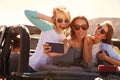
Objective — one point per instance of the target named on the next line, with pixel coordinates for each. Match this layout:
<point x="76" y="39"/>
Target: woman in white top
<point x="77" y="44"/>
<point x="102" y="41"/>
<point x="52" y="30"/>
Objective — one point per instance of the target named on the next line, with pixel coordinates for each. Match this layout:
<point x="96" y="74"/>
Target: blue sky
<point x="12" y="11"/>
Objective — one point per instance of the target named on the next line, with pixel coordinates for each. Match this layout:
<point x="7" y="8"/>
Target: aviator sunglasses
<point x="60" y="20"/>
<point x="102" y="30"/>
<point x="83" y="27"/>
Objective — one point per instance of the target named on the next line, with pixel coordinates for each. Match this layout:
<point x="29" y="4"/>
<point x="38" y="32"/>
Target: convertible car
<point x="27" y="46"/>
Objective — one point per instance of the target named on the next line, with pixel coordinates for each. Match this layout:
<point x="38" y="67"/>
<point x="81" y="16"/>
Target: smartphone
<point x="57" y="47"/>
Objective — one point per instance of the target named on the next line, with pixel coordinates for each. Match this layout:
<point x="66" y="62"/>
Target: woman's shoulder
<point x="69" y="42"/>
<point x="105" y="45"/>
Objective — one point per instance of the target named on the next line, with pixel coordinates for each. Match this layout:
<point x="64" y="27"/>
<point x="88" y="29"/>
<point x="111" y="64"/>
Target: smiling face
<point x="61" y="18"/>
<point x="61" y="22"/>
<point x="101" y="31"/>
<point x="104" y="32"/>
<point x="79" y="27"/>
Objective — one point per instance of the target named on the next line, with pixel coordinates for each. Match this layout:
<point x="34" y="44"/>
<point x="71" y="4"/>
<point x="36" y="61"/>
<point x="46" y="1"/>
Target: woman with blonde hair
<point x="76" y="46"/>
<point x="52" y="30"/>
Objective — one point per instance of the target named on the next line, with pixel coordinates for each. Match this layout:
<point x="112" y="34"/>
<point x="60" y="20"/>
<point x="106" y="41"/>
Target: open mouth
<point x="62" y="27"/>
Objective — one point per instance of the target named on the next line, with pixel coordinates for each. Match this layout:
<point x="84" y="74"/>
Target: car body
<point x="27" y="45"/>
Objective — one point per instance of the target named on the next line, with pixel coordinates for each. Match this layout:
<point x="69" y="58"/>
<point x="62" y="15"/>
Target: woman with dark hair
<point x="78" y="42"/>
<point x="102" y="47"/>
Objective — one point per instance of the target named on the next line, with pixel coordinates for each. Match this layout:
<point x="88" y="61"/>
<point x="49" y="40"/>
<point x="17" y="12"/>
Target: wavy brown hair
<point x="109" y="34"/>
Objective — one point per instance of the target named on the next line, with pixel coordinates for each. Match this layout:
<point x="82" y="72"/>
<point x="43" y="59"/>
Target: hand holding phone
<point x="56" y="47"/>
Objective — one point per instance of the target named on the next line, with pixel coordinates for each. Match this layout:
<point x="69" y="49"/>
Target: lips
<point x="62" y="27"/>
<point x="80" y="34"/>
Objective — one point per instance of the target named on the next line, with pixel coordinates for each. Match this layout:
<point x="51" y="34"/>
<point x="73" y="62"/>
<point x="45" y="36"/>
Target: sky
<point x="12" y="11"/>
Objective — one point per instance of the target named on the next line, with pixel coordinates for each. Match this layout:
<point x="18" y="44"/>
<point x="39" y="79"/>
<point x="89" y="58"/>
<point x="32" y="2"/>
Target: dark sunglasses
<point x="60" y="20"/>
<point x="83" y="27"/>
<point x="102" y="30"/>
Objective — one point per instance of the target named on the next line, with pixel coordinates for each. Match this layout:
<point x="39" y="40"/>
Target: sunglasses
<point x="83" y="27"/>
<point x="102" y="30"/>
<point x="60" y="20"/>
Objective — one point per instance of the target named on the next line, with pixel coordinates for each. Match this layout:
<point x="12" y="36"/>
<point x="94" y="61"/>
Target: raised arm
<point x="44" y="17"/>
<point x="36" y="19"/>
